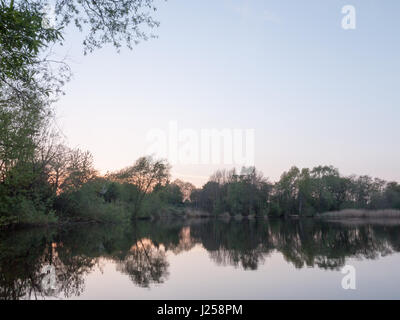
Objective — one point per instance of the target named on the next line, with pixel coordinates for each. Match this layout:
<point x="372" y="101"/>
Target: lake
<point x="203" y="259"/>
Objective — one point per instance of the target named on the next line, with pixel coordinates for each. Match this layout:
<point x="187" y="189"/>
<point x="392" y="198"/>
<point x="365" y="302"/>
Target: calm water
<point x="203" y="259"/>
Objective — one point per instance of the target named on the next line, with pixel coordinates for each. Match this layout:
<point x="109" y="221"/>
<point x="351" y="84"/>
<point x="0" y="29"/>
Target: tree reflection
<point x="37" y="264"/>
<point x="311" y="243"/>
<point x="145" y="264"/>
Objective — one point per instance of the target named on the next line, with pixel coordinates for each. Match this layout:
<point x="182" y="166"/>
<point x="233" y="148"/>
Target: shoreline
<point x="350" y="215"/>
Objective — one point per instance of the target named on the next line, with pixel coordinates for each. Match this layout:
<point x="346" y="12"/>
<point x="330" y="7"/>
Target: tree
<point x="79" y="170"/>
<point x="25" y="74"/>
<point x="227" y="191"/>
<point x="239" y="198"/>
<point x="172" y="194"/>
<point x="391" y="196"/>
<point x="108" y="21"/>
<point x="326" y="181"/>
<point x="186" y="188"/>
<point x="112" y="193"/>
<point x="305" y="185"/>
<point x="145" y="174"/>
<point x="209" y="195"/>
<point x="287" y="191"/>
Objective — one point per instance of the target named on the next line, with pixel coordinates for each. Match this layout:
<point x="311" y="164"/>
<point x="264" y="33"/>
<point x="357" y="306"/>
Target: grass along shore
<point x="362" y="213"/>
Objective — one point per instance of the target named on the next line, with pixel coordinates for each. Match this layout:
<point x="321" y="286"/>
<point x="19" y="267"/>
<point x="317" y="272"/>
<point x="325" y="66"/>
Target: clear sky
<point x="313" y="92"/>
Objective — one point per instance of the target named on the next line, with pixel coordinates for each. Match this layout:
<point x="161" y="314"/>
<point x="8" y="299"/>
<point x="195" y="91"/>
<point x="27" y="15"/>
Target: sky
<point x="313" y="92"/>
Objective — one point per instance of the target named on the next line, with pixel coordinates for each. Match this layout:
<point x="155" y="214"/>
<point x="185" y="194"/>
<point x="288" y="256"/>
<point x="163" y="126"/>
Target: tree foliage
<point x="304" y="192"/>
<point x="145" y="174"/>
<point x="34" y="169"/>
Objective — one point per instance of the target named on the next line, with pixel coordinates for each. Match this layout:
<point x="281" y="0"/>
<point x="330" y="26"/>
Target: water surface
<point x="203" y="259"/>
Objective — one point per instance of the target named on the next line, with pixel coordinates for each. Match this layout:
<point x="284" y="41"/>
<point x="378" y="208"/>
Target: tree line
<point x="62" y="184"/>
<point x="304" y="192"/>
